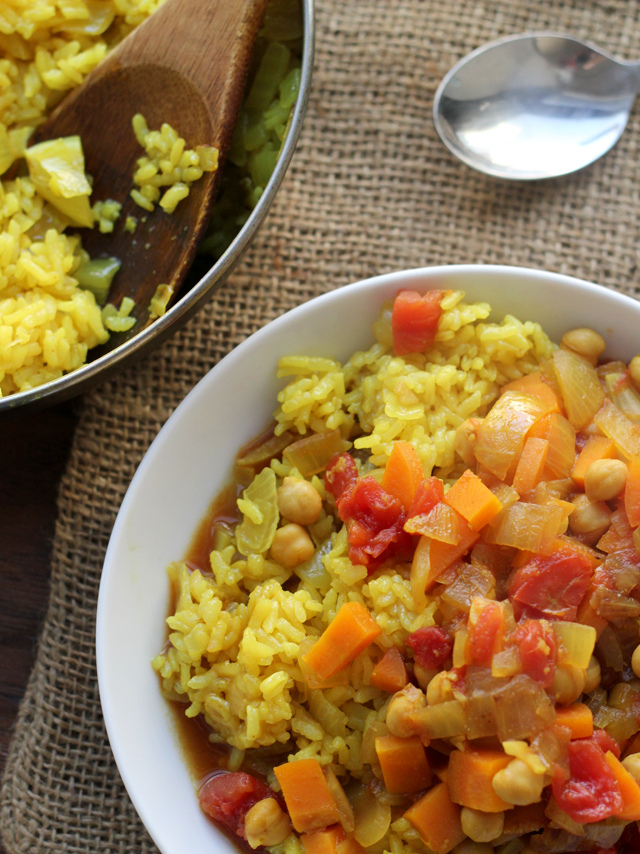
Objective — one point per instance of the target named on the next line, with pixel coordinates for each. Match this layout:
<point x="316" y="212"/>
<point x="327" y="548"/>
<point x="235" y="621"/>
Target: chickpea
<point x="299" y="501"/>
<point x="585" y="342"/>
<point x="439" y="690"/>
<point x="605" y="479"/>
<point x="517" y="784"/>
<point x="291" y="545"/>
<point x="634" y="371"/>
<point x="632" y="764"/>
<point x="569" y="683"/>
<point x="465" y="440"/>
<point x="592" y="675"/>
<point x="481" y="826"/>
<point x="589" y="519"/>
<point x="403" y="712"/>
<point x="266" y="824"/>
<point x="424" y="675"/>
<point x="635" y="661"/>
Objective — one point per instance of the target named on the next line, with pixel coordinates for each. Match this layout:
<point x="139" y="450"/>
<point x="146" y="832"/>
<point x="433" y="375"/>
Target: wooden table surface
<point x="34" y="450"/>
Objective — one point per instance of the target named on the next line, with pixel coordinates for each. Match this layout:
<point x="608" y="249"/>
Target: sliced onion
<point x="264" y="449"/>
<point x="578" y="642"/>
<point x="372" y="816"/>
<point x="579" y="386"/>
<point x="313" y="453"/>
<point x="623" y="393"/>
<point x="523" y="709"/>
<point x="610" y="651"/>
<point x="502" y="433"/>
<point x="615" y="425"/>
<point x="440" y="523"/>
<point x="614" y="606"/>
<point x="528" y="527"/>
<point x="471" y="581"/>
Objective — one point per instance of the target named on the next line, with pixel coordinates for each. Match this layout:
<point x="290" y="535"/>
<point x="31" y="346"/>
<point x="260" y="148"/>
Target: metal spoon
<point x="535" y="106"/>
<point x="185" y="65"/>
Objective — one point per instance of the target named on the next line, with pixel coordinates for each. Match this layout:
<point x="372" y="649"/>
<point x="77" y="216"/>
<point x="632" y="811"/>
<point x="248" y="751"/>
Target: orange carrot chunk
<point x="596" y="448"/>
<point x="404" y="764"/>
<point x="470" y="776"/>
<point x="323" y="841"/>
<point x="629" y="788"/>
<point x="578" y="718"/>
<point x="632" y="493"/>
<point x="530" y="465"/>
<point x="390" y="673"/>
<point x="437" y="820"/>
<point x="349" y="633"/>
<point x="473" y="500"/>
<point x="403" y="473"/>
<point x="310" y="804"/>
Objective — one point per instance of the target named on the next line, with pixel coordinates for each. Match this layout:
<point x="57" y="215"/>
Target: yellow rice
<point x="237" y="633"/>
<point x="47" y="323"/>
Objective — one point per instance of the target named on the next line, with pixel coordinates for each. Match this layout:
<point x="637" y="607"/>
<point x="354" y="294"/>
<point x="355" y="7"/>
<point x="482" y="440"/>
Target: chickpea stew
<point x="418" y="629"/>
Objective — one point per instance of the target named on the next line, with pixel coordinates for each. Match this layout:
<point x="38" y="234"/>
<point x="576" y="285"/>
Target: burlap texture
<point x="371" y="189"/>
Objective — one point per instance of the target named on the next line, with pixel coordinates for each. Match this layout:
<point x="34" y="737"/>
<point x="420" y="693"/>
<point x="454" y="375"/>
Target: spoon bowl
<point x="535" y="106"/>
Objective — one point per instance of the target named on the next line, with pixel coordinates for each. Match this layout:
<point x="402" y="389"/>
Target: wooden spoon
<point x="186" y="65"/>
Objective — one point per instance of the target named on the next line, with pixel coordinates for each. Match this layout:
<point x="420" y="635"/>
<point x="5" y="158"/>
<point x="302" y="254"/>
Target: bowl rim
<point x="148" y="339"/>
<point x="379" y="288"/>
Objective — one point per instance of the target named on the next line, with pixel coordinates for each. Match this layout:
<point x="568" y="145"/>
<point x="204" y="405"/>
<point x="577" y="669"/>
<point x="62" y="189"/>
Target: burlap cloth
<point x="371" y="189"/>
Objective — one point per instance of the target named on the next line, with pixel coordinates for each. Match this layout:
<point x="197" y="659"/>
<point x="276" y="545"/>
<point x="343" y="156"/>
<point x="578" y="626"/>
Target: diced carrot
<point x="502" y="433"/>
<point x="473" y="500"/>
<point x="588" y="616"/>
<point x="632" y="493"/>
<point x="530" y="465"/>
<point x="535" y="385"/>
<point x="310" y="804"/>
<point x="437" y="820"/>
<point x="323" y="841"/>
<point x="404" y="764"/>
<point x="470" y="776"/>
<point x="403" y="473"/>
<point x="390" y="673"/>
<point x="561" y="435"/>
<point x="432" y="557"/>
<point x="578" y="718"/>
<point x="629" y="789"/>
<point x="349" y="845"/>
<point x="347" y="635"/>
<point x="596" y="448"/>
<point x="333" y="840"/>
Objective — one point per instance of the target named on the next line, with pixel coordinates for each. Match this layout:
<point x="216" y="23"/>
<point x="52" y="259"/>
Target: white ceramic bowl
<point x="190" y="462"/>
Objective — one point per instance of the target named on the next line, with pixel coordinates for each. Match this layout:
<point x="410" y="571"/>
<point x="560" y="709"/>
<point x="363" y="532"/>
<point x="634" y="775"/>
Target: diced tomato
<point x="414" y="321"/>
<point x="538" y="649"/>
<point x="485" y="630"/>
<point x="229" y="795"/>
<point x="374" y="519"/>
<point x="606" y="742"/>
<point x="429" y="492"/>
<point x="340" y="475"/>
<point x="551" y="586"/>
<point x="431" y="646"/>
<point x="591" y="793"/>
